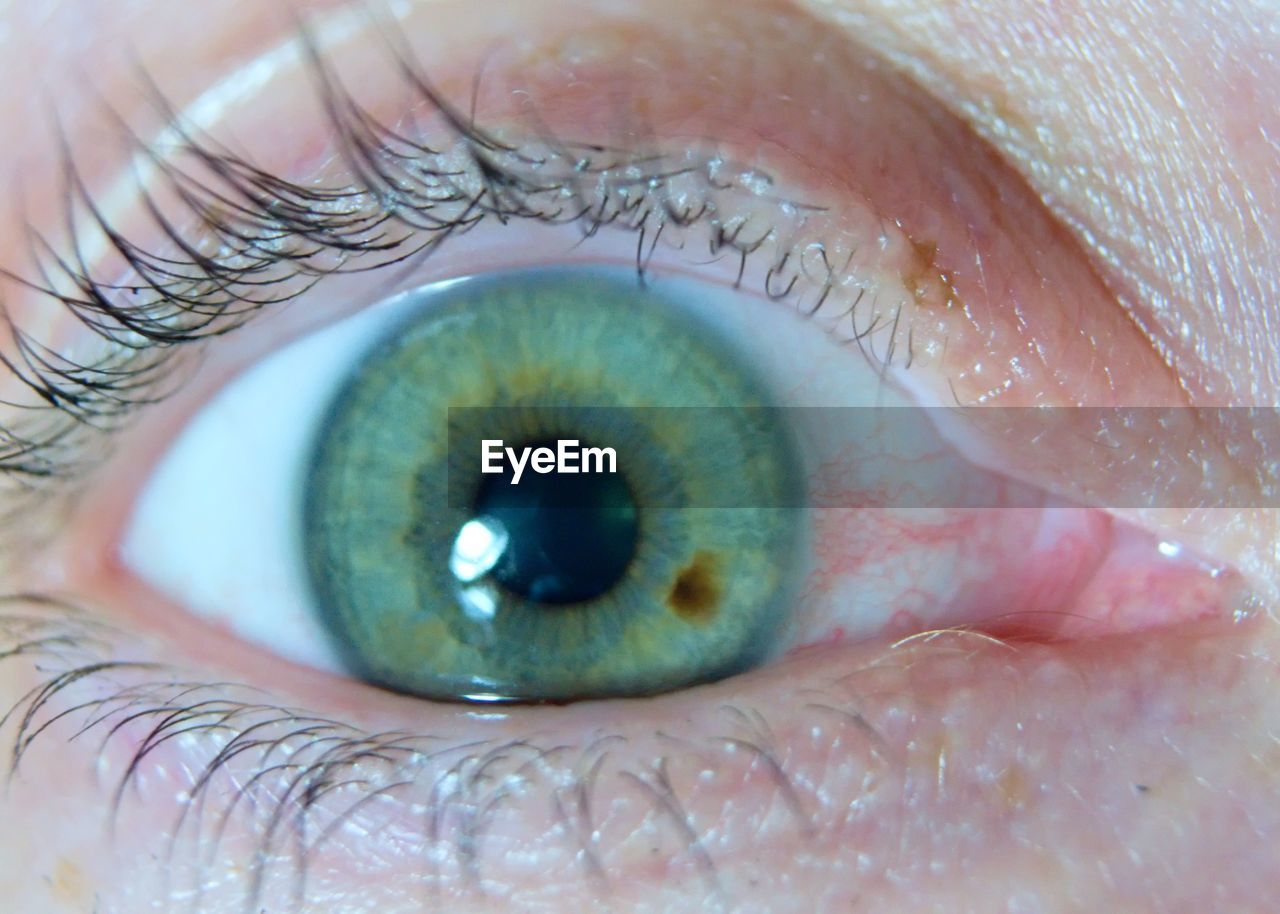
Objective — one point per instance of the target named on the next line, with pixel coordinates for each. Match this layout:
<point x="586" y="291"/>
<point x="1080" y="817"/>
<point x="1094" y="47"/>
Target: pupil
<point x="570" y="536"/>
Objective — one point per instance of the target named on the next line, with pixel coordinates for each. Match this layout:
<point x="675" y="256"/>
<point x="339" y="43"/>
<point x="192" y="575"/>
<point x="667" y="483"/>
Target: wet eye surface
<point x="375" y="547"/>
<point x="390" y="519"/>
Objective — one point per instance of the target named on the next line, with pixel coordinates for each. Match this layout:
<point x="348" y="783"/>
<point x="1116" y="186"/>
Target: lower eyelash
<point x="294" y="781"/>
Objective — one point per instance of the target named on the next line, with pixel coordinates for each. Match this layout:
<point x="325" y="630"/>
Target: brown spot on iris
<point x="695" y="594"/>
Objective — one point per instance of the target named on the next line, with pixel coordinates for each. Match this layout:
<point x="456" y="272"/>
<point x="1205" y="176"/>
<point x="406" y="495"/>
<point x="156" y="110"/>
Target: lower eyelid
<point x="869" y="747"/>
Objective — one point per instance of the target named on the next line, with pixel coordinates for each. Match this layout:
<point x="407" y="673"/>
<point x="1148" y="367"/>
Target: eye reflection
<point x="480" y="544"/>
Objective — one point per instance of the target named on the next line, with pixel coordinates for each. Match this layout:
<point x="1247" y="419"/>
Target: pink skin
<point x="951" y="772"/>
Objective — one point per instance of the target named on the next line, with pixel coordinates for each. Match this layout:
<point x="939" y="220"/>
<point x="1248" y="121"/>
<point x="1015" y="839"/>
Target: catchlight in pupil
<point x="441" y="575"/>
<point x="567" y="537"/>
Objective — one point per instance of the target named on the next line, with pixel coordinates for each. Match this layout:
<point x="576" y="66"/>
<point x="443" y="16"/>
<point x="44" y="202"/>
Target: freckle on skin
<point x="922" y="277"/>
<point x="68" y="884"/>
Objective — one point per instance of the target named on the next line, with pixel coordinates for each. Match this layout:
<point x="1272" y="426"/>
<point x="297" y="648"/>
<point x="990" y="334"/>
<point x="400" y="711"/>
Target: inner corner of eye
<point x="560" y="484"/>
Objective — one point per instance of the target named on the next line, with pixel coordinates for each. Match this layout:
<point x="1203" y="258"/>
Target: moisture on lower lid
<point x="439" y="578"/>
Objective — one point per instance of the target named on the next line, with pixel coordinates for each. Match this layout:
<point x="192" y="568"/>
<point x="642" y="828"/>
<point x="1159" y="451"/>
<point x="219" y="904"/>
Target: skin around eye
<point x="976" y="759"/>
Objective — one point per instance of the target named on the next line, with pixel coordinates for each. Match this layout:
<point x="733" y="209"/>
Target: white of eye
<point x="215" y="527"/>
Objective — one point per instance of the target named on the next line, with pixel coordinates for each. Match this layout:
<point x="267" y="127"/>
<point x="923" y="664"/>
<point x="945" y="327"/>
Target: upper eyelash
<point x="262" y="239"/>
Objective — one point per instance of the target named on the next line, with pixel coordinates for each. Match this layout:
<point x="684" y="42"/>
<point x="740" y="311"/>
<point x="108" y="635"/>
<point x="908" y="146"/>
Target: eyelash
<point x="295" y="761"/>
<point x="276" y="239"/>
<point x="284" y="237"/>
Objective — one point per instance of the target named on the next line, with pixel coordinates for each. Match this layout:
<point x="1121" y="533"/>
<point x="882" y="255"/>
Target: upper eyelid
<point x="50" y="444"/>
<point x="199" y="296"/>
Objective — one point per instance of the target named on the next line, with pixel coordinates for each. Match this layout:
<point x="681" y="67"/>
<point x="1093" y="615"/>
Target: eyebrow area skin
<point x="959" y="774"/>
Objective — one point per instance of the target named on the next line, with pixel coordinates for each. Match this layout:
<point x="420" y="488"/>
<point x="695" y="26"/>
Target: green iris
<point x="437" y="579"/>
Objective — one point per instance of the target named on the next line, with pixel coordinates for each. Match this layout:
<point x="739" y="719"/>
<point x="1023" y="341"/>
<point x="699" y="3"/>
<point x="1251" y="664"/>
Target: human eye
<point x="826" y="278"/>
